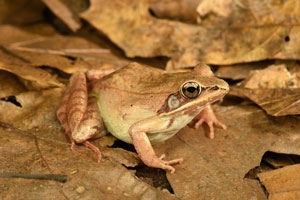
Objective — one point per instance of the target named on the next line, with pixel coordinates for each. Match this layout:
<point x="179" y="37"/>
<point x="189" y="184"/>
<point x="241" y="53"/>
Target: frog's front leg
<point x="207" y="115"/>
<point x="79" y="114"/>
<point x="141" y="142"/>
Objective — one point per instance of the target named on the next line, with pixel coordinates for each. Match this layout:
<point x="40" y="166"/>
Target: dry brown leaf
<point x="24" y="34"/>
<point x="35" y="109"/>
<point x="283" y="183"/>
<point x="37" y="78"/>
<point x="258" y="13"/>
<point x="274" y="89"/>
<point x="274" y="76"/>
<point x="67" y="53"/>
<point x="276" y="102"/>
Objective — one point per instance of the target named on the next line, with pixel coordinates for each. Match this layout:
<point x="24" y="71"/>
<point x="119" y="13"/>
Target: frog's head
<point x="199" y="88"/>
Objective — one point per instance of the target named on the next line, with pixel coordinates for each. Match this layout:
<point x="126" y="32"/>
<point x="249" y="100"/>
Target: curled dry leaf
<point x="275" y="89"/>
<point x="276" y="102"/>
<point x="38" y="78"/>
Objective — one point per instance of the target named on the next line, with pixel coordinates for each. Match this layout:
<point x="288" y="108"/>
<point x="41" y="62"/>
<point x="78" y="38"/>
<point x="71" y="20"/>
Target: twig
<point x="54" y="177"/>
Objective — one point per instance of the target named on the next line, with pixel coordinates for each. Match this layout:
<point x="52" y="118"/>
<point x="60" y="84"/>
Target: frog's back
<point x="129" y="77"/>
<point x="142" y="79"/>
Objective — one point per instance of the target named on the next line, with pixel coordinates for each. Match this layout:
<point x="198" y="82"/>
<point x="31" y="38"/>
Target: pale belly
<point x="164" y="130"/>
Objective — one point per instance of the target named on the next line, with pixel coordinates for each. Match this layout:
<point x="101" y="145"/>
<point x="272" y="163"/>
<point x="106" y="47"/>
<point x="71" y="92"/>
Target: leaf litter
<point x="36" y="61"/>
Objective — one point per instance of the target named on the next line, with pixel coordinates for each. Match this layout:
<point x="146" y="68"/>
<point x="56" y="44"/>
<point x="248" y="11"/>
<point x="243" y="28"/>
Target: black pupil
<point x="191" y="89"/>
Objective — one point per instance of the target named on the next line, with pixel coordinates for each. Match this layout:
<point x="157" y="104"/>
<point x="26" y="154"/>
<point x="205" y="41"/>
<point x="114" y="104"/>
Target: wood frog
<point x="140" y="105"/>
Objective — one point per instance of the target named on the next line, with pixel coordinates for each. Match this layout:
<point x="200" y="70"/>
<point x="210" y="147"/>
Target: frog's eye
<point x="190" y="89"/>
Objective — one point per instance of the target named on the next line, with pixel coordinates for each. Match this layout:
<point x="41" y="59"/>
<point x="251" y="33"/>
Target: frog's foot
<point x="95" y="149"/>
<point x="145" y="151"/>
<point x="163" y="164"/>
<point x="207" y="115"/>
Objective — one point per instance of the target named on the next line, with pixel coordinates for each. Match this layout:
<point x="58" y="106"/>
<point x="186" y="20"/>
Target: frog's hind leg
<point x="79" y="114"/>
<point x="90" y="127"/>
<point x="62" y="115"/>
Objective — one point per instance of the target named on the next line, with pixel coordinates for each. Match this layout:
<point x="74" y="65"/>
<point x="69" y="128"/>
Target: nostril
<point x="214" y="88"/>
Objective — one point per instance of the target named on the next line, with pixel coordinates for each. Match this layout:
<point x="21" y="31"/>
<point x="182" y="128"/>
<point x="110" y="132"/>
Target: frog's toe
<point x="220" y="125"/>
<point x="95" y="149"/>
<point x="169" y="168"/>
<point x="159" y="162"/>
<point x="162" y="156"/>
<point x="171" y="162"/>
<point x="199" y="123"/>
<point x="166" y="165"/>
<point x="72" y="145"/>
<point x="174" y="161"/>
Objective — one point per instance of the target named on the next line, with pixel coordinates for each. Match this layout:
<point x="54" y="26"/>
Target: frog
<point x="140" y="105"/>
